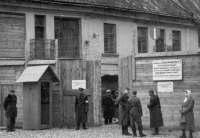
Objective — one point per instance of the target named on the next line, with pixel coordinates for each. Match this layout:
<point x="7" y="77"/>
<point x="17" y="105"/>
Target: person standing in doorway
<point x="187" y="114"/>
<point x="154" y="106"/>
<point x="81" y="109"/>
<point x="124" y="111"/>
<point x="136" y="114"/>
<point x="108" y="107"/>
<point x="11" y="110"/>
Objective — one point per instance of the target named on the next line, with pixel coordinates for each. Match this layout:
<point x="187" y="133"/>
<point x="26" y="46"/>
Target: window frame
<point x="108" y="48"/>
<point x="141" y="50"/>
<point x="174" y="40"/>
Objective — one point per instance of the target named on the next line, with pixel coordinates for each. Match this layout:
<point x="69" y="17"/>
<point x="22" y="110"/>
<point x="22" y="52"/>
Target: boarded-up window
<point x="39" y="27"/>
<point x="109" y="38"/>
<point x="160" y="41"/>
<point x="176" y="42"/>
<point x="12" y="35"/>
<point x="67" y="33"/>
<point x="142" y="39"/>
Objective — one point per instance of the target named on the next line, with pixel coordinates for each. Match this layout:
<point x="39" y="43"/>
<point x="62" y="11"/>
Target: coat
<point x="81" y="108"/>
<point x="10" y="105"/>
<point x="187" y="112"/>
<point x="135" y="107"/>
<point x="154" y="106"/>
<point x="124" y="110"/>
<point x="108" y="105"/>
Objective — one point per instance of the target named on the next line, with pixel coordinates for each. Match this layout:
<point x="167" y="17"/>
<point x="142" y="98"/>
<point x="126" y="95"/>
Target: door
<point x="45" y="103"/>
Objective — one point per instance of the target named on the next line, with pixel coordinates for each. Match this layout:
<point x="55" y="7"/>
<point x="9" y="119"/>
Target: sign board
<point x="165" y="86"/>
<point x="76" y="84"/>
<point x="167" y="69"/>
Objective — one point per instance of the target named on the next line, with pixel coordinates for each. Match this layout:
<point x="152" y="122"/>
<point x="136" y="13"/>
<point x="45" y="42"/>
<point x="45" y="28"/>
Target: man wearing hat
<point x="11" y="110"/>
<point x="136" y="114"/>
<point x="81" y="109"/>
<point x="108" y="107"/>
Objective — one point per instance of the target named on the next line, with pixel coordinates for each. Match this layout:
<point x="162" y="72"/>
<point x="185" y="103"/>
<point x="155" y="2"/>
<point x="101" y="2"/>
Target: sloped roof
<point x="34" y="73"/>
<point x="162" y="7"/>
<point x="191" y="6"/>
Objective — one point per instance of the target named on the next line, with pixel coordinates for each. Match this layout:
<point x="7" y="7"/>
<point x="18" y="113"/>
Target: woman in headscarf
<point x="187" y="114"/>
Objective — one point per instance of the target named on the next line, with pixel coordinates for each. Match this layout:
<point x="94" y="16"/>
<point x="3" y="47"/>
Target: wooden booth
<point x="37" y="96"/>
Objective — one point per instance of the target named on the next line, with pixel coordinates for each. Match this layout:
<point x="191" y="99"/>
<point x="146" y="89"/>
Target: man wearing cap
<point x="124" y="111"/>
<point x="108" y="107"/>
<point x="81" y="109"/>
<point x="136" y="114"/>
<point x="11" y="110"/>
<point x="154" y="106"/>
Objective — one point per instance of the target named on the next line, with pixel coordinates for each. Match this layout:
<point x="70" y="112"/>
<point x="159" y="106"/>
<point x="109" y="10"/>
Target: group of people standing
<point x="131" y="113"/>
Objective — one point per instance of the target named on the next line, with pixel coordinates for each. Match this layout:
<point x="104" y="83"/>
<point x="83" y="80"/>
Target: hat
<point x="80" y="89"/>
<point x="108" y="90"/>
<point x="12" y="91"/>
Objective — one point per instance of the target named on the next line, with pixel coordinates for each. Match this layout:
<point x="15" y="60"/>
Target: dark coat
<point x="135" y="107"/>
<point x="154" y="106"/>
<point x="187" y="111"/>
<point x="108" y="105"/>
<point x="124" y="110"/>
<point x="81" y="108"/>
<point x="10" y="105"/>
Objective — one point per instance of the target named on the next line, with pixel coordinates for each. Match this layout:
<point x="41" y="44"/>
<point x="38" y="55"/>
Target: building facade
<point x="67" y="34"/>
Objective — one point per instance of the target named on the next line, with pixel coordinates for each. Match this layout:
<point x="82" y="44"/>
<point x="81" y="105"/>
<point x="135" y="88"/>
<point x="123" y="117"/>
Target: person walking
<point x="154" y="106"/>
<point x="108" y="107"/>
<point x="187" y="114"/>
<point x="81" y="109"/>
<point x="124" y="111"/>
<point x="136" y="114"/>
<point x="11" y="110"/>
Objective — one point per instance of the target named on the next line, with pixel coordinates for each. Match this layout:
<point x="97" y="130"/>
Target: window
<point x="109" y="38"/>
<point x="39" y="27"/>
<point x="176" y="40"/>
<point x="160" y="41"/>
<point x="67" y="31"/>
<point x="142" y="39"/>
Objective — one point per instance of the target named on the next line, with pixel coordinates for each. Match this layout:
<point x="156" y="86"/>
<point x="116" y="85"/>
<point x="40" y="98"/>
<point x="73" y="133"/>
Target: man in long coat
<point x="108" y="107"/>
<point x="154" y="106"/>
<point x="136" y="114"/>
<point x="124" y="111"/>
<point x="11" y="110"/>
<point x="187" y="112"/>
<point x="81" y="108"/>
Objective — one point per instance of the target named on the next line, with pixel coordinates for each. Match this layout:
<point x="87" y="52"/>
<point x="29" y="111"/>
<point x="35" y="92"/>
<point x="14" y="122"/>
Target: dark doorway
<point x="109" y="82"/>
<point x="110" y="110"/>
<point x="45" y="103"/>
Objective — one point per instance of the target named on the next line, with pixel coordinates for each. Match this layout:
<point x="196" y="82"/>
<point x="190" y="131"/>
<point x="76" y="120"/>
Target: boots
<point x="190" y="134"/>
<point x="141" y="133"/>
<point x="126" y="131"/>
<point x="134" y="132"/>
<point x="156" y="131"/>
<point x="183" y="134"/>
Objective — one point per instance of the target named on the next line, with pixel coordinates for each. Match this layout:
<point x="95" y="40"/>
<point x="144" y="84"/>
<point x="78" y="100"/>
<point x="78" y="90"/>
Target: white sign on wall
<point x="76" y="84"/>
<point x="167" y="69"/>
<point x="165" y="86"/>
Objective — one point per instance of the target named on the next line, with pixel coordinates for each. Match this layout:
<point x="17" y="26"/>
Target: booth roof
<point x="34" y="73"/>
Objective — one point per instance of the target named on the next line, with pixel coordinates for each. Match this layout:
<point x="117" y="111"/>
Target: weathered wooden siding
<point x="171" y="102"/>
<point x="80" y="70"/>
<point x="12" y="35"/>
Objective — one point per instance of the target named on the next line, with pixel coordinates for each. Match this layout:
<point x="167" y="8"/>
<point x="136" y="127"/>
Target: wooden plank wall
<point x="126" y="72"/>
<point x="79" y="70"/>
<point x="4" y="90"/>
<point x="170" y="102"/>
<point x="12" y="35"/>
